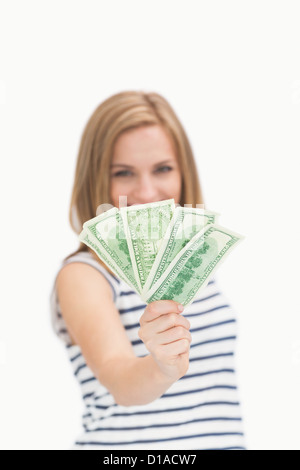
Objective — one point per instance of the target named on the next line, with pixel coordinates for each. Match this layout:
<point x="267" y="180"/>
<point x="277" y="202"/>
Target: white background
<point x="231" y="71"/>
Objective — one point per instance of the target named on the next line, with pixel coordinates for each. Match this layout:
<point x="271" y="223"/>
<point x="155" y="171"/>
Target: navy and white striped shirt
<point x="199" y="411"/>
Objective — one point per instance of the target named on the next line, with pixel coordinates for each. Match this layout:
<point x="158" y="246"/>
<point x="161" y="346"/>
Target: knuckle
<point x="173" y="318"/>
<point x="181" y="330"/>
<point x="140" y="334"/>
<point x="148" y="309"/>
<point x="151" y="308"/>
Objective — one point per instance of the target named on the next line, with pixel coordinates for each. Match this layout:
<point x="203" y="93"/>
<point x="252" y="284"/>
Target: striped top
<point x="199" y="411"/>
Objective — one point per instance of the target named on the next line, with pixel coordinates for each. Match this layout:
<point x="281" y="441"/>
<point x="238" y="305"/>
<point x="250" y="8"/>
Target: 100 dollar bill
<point x="106" y="234"/>
<point x="145" y="226"/>
<point x="185" y="224"/>
<point x="193" y="266"/>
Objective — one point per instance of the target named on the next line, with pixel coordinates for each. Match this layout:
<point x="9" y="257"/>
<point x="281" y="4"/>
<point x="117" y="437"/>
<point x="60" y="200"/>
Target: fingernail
<point x="180" y="307"/>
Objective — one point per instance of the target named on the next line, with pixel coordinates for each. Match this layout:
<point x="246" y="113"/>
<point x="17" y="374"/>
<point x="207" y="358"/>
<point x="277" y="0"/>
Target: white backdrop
<point x="231" y="71"/>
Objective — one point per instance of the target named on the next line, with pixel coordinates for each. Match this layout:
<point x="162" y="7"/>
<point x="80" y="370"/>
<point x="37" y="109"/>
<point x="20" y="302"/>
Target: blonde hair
<point x="117" y="114"/>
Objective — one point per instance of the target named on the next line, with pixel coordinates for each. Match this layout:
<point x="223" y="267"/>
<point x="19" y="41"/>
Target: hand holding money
<point x="166" y="335"/>
<point x="161" y="251"/>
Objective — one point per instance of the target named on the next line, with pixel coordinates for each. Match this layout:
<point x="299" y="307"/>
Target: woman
<point x="150" y="376"/>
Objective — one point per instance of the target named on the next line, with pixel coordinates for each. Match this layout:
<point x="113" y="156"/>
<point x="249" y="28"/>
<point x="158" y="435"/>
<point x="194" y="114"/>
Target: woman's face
<point x="144" y="167"/>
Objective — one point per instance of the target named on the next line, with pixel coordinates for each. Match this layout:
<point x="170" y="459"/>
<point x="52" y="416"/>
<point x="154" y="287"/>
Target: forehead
<point x="147" y="140"/>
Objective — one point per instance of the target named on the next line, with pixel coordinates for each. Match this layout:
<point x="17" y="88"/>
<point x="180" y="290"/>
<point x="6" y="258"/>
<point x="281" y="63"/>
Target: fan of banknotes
<point x="161" y="250"/>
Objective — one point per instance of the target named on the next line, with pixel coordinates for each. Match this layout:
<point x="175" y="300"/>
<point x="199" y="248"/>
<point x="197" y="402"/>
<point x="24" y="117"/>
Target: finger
<point x="176" y="348"/>
<point x="173" y="334"/>
<point x="159" y="307"/>
<point x="161" y="324"/>
<point x="174" y="319"/>
<point x="165" y="322"/>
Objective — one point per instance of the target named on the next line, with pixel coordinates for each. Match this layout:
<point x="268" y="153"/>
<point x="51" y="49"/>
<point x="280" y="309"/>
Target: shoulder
<point x="82" y="271"/>
<point x="85" y="300"/>
<point x="80" y="279"/>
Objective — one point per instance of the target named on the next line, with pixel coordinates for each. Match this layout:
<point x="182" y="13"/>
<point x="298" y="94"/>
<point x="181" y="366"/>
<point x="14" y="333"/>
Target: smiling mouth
<point x="145" y="202"/>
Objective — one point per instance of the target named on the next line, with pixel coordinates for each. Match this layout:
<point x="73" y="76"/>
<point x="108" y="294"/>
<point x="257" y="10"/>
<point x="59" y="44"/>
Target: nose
<point x="145" y="190"/>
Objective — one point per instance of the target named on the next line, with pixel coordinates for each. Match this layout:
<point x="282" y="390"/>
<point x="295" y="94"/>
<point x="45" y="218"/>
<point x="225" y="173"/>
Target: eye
<point x="122" y="173"/>
<point x="164" y="169"/>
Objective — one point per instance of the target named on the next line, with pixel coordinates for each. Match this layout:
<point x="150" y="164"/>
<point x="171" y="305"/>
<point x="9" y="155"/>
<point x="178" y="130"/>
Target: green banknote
<point x="184" y="225"/>
<point x="106" y="233"/>
<point x="145" y="226"/>
<point x="89" y="240"/>
<point x="192" y="267"/>
<point x="159" y="250"/>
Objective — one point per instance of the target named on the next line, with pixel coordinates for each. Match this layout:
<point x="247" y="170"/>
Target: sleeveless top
<point x="200" y="411"/>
